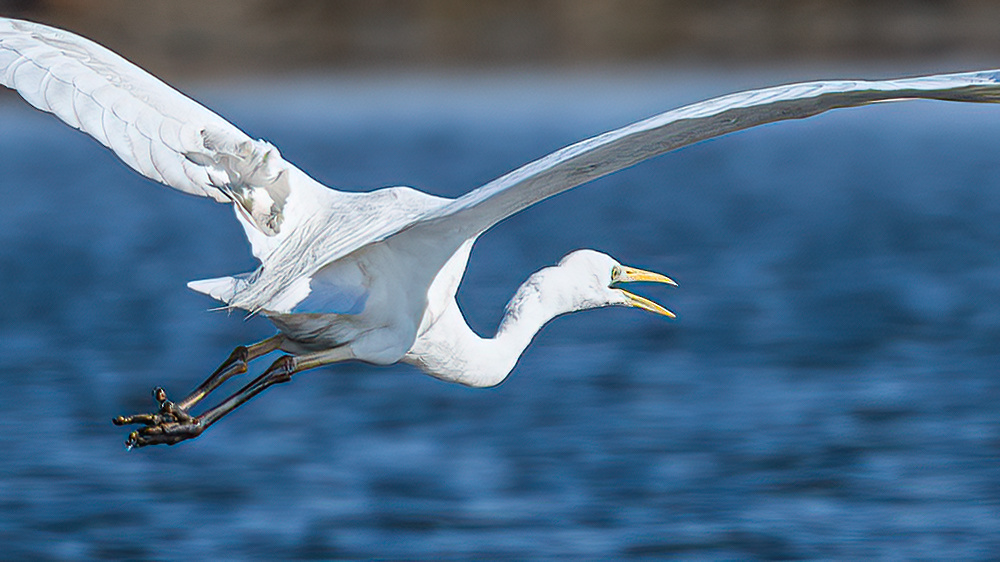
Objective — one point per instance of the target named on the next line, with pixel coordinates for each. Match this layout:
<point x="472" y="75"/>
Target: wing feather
<point x="452" y="223"/>
<point x="141" y="149"/>
<point x="612" y="151"/>
<point x="154" y="129"/>
<point x="59" y="97"/>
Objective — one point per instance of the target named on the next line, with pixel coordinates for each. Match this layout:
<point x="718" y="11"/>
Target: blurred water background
<point x="829" y="390"/>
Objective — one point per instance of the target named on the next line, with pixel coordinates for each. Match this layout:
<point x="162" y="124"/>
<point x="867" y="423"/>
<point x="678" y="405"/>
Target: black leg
<point x="173" y="424"/>
<point x="236" y="364"/>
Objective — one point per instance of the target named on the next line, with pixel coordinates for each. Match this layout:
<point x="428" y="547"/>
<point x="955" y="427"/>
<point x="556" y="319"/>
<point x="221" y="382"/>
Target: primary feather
<point x="153" y="128"/>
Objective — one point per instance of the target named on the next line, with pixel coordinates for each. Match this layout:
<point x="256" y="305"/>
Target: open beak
<point x="632" y="275"/>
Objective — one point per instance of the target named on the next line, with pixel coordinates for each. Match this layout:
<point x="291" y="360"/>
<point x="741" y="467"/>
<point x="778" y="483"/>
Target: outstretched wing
<point x="612" y="151"/>
<point x="153" y="128"/>
<point x="448" y="225"/>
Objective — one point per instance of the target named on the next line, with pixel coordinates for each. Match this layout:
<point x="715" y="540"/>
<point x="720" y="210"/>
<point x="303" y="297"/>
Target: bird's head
<point x="597" y="279"/>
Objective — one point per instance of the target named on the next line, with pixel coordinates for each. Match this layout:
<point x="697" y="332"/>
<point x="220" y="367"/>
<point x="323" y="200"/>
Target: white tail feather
<point x="220" y="288"/>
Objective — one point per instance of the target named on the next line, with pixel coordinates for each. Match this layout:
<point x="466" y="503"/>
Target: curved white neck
<point x="451" y="351"/>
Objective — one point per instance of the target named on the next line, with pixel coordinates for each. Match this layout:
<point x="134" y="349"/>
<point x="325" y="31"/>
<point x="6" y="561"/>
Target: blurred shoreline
<point x="225" y="38"/>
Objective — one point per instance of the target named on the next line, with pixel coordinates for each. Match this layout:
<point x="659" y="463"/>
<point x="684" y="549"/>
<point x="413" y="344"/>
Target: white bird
<point x="373" y="276"/>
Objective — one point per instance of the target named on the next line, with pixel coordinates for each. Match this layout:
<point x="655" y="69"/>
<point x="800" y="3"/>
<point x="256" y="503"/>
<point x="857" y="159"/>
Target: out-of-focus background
<point x="829" y="390"/>
<point x="253" y="36"/>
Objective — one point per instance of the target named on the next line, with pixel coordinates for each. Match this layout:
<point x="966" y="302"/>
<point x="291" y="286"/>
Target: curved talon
<point x="169" y="433"/>
<point x="172" y="423"/>
<point x="169" y="415"/>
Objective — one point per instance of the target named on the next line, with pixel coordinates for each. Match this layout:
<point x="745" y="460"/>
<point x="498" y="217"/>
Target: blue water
<point x="830" y="389"/>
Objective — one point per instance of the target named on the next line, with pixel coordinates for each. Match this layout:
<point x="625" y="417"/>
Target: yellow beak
<point x="625" y="274"/>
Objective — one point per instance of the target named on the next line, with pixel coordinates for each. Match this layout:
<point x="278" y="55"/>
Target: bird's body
<point x="373" y="276"/>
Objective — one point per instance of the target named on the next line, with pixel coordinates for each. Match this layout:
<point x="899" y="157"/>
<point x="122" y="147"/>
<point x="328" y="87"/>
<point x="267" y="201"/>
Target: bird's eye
<point x="615" y="273"/>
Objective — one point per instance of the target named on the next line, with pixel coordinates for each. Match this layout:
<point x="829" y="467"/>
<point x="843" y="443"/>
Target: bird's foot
<point x="172" y="424"/>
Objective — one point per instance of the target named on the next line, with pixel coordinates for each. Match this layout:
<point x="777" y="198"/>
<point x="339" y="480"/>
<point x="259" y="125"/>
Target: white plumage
<point x="373" y="276"/>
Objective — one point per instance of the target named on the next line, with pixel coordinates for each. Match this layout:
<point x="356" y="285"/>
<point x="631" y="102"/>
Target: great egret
<point x="373" y="276"/>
